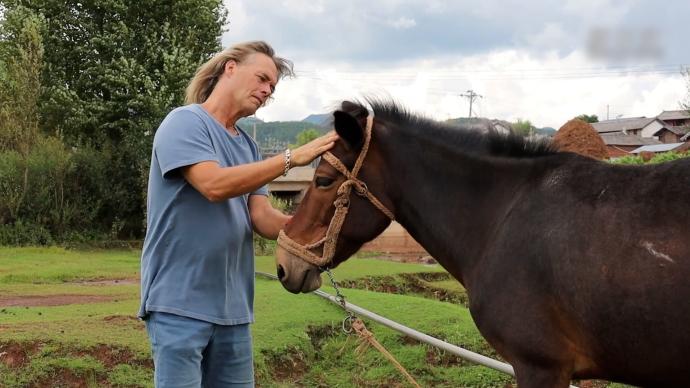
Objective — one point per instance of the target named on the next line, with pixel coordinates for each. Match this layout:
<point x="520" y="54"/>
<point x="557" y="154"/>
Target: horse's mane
<point x="464" y="137"/>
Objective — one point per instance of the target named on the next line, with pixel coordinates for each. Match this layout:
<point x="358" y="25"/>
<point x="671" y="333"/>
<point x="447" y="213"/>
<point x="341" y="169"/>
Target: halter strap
<point x="341" y="204"/>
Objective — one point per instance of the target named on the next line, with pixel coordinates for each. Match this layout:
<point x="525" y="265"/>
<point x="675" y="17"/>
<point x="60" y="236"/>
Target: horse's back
<point x="599" y="256"/>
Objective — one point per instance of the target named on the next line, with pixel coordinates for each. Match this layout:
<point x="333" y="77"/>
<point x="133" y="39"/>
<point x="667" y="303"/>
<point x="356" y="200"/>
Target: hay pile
<point x="580" y="137"/>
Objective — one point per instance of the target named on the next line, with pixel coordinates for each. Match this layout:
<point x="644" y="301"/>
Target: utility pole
<point x="471" y="95"/>
<point x="607" y="111"/>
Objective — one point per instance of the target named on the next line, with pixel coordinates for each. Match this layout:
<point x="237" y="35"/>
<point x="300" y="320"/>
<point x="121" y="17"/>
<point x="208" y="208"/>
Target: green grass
<point x="297" y="338"/>
<point x="356" y="268"/>
<point x="57" y="265"/>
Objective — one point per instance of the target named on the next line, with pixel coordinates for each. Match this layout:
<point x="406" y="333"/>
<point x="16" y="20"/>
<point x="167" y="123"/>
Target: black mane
<point x="464" y="137"/>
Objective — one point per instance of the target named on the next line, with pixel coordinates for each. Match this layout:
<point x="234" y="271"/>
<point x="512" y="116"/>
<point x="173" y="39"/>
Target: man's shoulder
<point x="184" y="116"/>
<point x="191" y="110"/>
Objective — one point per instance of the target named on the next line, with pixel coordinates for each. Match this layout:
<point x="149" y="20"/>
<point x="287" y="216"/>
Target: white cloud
<point x="548" y="90"/>
<point x="402" y="23"/>
<point x="525" y="67"/>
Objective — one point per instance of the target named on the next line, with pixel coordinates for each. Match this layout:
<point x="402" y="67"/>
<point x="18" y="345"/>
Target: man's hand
<point x="303" y="155"/>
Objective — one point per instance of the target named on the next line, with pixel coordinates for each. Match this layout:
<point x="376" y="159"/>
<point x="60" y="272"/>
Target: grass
<point x="297" y="338"/>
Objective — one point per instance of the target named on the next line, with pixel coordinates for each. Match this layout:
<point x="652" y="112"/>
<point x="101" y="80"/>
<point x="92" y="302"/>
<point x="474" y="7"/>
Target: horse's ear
<point x="348" y="128"/>
<point x="356" y="110"/>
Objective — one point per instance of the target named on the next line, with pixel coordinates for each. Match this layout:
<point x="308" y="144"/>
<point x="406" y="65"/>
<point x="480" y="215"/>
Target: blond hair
<point x="206" y="77"/>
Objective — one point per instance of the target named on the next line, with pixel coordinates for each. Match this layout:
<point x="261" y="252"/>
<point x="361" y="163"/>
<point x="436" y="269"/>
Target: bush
<point x="659" y="158"/>
<point x="264" y="246"/>
<point x="52" y="194"/>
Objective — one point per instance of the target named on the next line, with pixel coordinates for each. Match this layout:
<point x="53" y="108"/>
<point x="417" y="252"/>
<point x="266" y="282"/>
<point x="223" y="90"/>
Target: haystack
<point x="580" y="137"/>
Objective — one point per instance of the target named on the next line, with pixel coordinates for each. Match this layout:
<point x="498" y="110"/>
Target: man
<point x="206" y="193"/>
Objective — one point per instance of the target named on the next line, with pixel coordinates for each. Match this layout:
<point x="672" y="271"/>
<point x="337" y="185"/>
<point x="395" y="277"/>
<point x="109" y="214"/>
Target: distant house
<point x="676" y="126"/>
<point x="293" y="186"/>
<point x="676" y="118"/>
<point x="622" y="136"/>
<point x="640" y="126"/>
<point x="672" y="134"/>
<point x="620" y="144"/>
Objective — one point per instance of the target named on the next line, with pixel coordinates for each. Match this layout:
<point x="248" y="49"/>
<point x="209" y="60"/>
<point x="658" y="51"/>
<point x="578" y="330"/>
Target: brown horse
<point x="574" y="268"/>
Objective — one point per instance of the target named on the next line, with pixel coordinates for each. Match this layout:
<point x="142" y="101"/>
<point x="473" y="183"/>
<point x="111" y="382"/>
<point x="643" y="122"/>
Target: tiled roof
<point x="619" y="125"/>
<point x="622" y="139"/>
<point x="657" y="148"/>
<point x="673" y="115"/>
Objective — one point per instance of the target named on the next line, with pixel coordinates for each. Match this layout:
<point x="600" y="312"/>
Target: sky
<point x="546" y="61"/>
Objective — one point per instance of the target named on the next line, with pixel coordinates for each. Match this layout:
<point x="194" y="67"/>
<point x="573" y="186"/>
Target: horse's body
<point x="574" y="268"/>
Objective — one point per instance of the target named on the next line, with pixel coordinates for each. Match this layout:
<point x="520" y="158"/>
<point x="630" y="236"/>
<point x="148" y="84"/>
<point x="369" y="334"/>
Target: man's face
<point x="251" y="82"/>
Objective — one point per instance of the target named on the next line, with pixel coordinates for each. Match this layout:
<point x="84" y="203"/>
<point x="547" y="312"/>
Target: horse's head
<point x="345" y="206"/>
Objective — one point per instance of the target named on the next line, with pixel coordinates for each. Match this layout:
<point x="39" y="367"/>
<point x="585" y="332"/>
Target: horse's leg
<point x="531" y="376"/>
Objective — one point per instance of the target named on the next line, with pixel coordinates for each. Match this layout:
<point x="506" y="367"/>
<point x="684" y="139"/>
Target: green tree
<point x="113" y="70"/>
<point x="588" y="118"/>
<point x="305" y="137"/>
<point x="21" y="62"/>
<point x="523" y="127"/>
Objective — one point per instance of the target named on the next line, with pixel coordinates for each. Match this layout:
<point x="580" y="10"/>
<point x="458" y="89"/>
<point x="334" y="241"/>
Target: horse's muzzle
<point x="295" y="274"/>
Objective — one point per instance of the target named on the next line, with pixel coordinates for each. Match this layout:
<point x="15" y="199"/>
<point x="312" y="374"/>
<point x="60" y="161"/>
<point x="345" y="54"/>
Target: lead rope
<point x="352" y="323"/>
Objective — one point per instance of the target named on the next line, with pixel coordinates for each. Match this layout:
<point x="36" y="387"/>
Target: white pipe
<point x="458" y="351"/>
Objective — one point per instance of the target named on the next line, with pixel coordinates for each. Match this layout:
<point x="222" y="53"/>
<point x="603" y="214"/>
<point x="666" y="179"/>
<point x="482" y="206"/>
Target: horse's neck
<point x="449" y="201"/>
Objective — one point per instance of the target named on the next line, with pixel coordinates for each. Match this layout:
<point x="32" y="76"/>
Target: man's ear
<point x="348" y="128"/>
<point x="230" y="66"/>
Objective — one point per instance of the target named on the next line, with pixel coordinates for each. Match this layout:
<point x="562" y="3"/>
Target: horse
<point x="574" y="268"/>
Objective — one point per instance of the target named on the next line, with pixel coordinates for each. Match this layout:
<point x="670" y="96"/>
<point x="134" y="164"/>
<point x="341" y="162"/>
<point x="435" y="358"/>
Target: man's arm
<point x="220" y="183"/>
<point x="266" y="220"/>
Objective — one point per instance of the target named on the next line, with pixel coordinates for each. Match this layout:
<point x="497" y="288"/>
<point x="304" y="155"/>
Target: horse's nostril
<point x="281" y="272"/>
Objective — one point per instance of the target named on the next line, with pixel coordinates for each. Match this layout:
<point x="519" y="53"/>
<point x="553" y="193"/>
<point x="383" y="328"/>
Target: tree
<point x="113" y="70"/>
<point x="523" y="127"/>
<point x="306" y="136"/>
<point x="21" y="62"/>
<point x="588" y="118"/>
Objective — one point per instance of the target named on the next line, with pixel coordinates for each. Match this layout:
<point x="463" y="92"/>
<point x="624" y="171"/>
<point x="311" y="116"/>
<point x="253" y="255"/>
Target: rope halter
<point x="341" y="203"/>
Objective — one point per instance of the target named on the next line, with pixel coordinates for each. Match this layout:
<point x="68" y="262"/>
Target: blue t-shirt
<point x="198" y="256"/>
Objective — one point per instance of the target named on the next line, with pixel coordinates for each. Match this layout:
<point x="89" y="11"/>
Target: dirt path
<point x="51" y="300"/>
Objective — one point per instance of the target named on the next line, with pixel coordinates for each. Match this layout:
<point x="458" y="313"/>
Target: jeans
<point x="189" y="353"/>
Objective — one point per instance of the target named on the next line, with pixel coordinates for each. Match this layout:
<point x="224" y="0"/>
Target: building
<point x="676" y="118"/>
<point x="622" y="136"/>
<point x="294" y="185"/>
<point x="672" y="134"/>
<point x="640" y="126"/>
<point x="620" y="144"/>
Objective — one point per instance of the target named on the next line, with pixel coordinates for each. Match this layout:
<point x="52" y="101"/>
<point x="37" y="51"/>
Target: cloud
<point x="401" y="23"/>
<point x="528" y="59"/>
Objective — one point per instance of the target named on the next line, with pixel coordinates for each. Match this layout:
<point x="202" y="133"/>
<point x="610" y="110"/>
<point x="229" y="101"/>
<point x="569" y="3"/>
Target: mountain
<point x="548" y="131"/>
<point x="278" y="134"/>
<point x="322" y="120"/>
<point x="247" y="122"/>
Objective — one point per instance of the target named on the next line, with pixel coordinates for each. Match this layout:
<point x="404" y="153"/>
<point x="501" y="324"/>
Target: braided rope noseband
<point x="341" y="204"/>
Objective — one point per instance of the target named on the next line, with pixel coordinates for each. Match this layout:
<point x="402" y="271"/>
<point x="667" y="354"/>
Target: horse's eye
<point x="323" y="181"/>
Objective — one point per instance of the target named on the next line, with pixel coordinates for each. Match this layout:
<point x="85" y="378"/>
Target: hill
<point x="322" y="120"/>
<point x="278" y="134"/>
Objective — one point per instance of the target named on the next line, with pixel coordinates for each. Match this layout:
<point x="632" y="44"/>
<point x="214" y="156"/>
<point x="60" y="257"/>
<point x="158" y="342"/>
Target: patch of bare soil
<point x="51" y="300"/>
<point x="63" y="377"/>
<point x="125" y="320"/>
<point x="415" y="283"/>
<point x="289" y="367"/>
<point x="16" y="354"/>
<point x="111" y="356"/>
<point x="112" y="282"/>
